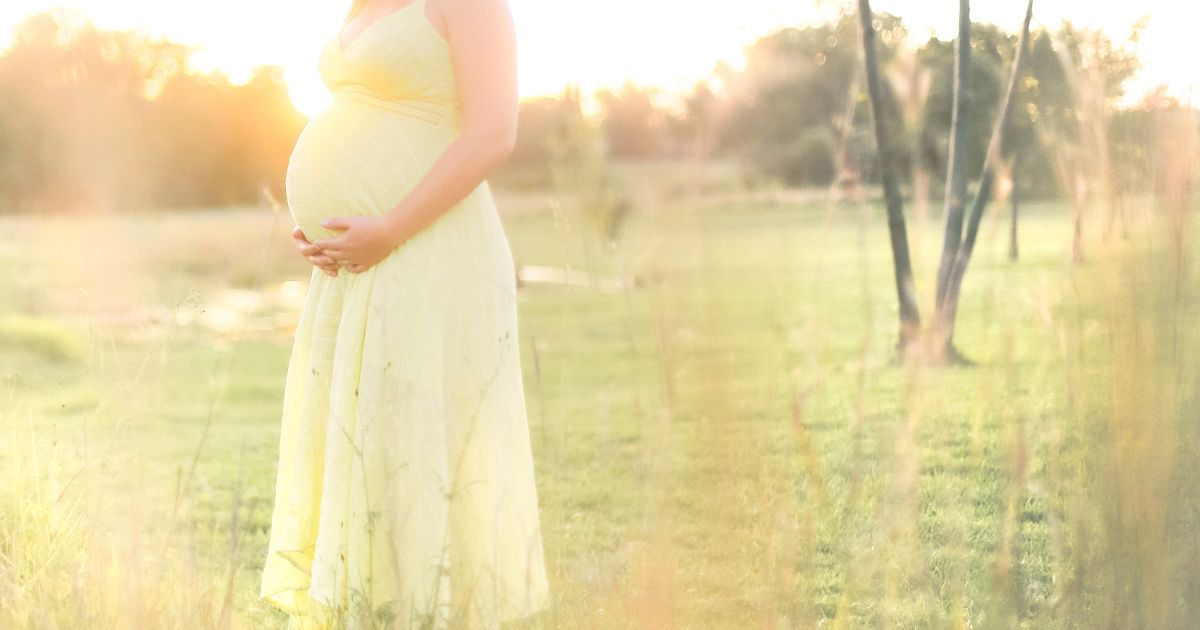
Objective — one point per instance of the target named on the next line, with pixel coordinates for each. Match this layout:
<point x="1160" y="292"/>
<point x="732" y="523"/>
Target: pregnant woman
<point x="405" y="495"/>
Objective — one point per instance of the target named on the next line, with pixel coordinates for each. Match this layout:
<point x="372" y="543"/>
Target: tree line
<point x="95" y="120"/>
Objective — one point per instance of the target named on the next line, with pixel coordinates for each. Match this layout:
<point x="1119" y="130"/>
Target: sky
<point x="667" y="43"/>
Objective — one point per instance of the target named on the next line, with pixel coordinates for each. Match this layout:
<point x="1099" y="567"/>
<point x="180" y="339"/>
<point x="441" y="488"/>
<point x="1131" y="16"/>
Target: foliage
<point x="97" y="120"/>
<point x="634" y="126"/>
<point x="787" y="104"/>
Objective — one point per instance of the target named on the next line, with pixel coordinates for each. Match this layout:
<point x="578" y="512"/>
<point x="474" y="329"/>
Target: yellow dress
<point x="405" y="488"/>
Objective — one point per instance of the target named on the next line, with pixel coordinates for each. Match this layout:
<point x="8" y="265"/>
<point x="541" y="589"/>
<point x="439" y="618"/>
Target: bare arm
<point x="483" y="50"/>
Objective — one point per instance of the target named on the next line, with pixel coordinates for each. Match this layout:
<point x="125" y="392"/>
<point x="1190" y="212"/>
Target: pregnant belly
<point x="357" y="159"/>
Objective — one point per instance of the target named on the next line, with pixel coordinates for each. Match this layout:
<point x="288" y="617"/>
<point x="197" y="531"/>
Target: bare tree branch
<point x="956" y="176"/>
<point x="987" y="177"/>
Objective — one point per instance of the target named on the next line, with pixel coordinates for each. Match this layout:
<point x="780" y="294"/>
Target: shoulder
<point x="473" y="23"/>
<point x="469" y="10"/>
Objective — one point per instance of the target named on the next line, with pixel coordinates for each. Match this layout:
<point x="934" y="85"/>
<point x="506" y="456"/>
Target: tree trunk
<point x="910" y="318"/>
<point x="948" y="311"/>
<point x="956" y="178"/>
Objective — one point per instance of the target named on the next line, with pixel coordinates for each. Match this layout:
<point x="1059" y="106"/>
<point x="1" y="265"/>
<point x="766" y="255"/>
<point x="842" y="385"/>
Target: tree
<point x="96" y="121"/>
<point x="633" y="125"/>
<point x="956" y="176"/>
<point x="910" y="315"/>
<point x="957" y="246"/>
<point x="948" y="306"/>
<point x="75" y="103"/>
<point x="790" y="101"/>
<point x="695" y="132"/>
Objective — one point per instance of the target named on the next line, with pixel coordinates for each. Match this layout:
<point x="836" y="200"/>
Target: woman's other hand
<point x="314" y="253"/>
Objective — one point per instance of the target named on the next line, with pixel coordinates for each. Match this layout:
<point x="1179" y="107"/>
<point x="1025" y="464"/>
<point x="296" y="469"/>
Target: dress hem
<point x="318" y="614"/>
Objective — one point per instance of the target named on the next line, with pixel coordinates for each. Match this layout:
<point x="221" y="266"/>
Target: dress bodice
<point x="399" y="57"/>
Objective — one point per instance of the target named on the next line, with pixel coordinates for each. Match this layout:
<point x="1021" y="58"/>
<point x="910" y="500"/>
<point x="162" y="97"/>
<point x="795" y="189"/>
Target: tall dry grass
<point x="726" y="445"/>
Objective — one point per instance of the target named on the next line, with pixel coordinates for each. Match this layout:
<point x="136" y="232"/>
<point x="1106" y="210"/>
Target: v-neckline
<point x="367" y="29"/>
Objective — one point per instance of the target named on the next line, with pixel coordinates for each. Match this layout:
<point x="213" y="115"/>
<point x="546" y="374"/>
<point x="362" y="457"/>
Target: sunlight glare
<point x="305" y="88"/>
<point x="597" y="45"/>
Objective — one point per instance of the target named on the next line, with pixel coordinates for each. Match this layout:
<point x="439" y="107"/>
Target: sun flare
<point x="306" y="90"/>
<point x="561" y="42"/>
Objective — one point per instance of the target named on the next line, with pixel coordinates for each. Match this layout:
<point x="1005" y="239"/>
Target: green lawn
<point x="728" y="445"/>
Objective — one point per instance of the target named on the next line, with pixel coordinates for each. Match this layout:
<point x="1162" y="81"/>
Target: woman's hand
<point x="313" y="253"/>
<point x="365" y="241"/>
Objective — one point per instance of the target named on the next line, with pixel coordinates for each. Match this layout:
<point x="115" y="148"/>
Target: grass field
<point x="727" y="445"/>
